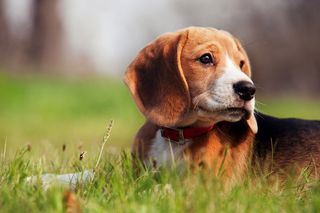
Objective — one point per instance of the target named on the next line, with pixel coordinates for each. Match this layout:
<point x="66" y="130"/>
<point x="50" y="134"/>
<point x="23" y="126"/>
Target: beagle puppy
<point x="194" y="87"/>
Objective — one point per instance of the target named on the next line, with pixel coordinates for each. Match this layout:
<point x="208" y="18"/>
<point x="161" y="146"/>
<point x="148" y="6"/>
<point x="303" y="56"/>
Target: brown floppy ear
<point x="156" y="80"/>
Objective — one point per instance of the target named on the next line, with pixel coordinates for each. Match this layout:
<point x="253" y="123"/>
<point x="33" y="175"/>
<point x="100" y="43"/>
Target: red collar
<point x="179" y="135"/>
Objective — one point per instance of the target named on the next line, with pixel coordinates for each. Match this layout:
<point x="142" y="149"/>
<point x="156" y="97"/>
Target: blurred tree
<point x="304" y="19"/>
<point x="285" y="56"/>
<point x="44" y="43"/>
<point x="4" y="36"/>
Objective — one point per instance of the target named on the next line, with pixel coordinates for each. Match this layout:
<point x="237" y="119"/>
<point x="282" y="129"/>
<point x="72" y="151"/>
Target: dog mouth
<point x="237" y="112"/>
<point x="231" y="111"/>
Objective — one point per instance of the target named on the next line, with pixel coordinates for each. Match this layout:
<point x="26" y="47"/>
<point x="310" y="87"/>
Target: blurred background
<point x="62" y="61"/>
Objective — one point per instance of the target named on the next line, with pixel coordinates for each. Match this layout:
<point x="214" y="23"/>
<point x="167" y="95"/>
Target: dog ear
<point x="252" y="123"/>
<point x="156" y="80"/>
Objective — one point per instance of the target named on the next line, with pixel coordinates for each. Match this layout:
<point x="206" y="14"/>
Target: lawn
<point x="47" y="122"/>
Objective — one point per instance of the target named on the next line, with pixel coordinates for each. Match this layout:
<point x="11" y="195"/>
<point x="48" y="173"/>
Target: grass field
<point x="40" y="115"/>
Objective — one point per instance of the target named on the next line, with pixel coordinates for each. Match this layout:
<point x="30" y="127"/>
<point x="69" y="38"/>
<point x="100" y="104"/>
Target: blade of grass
<point x="4" y="149"/>
<point x="104" y="141"/>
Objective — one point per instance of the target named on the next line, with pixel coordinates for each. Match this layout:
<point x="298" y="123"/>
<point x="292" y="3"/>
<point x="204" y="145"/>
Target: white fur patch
<point x="233" y="74"/>
<point x="164" y="152"/>
<point x="224" y="95"/>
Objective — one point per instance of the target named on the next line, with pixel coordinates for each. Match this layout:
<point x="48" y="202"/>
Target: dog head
<point x="193" y="76"/>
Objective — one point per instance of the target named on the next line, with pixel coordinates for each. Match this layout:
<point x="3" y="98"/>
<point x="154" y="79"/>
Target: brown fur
<point x="162" y="93"/>
<point x="225" y="150"/>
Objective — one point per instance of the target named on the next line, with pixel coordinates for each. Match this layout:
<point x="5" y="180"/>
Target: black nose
<point x="245" y="90"/>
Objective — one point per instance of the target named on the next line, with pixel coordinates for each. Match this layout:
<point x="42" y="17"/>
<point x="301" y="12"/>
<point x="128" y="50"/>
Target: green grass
<point x="38" y="114"/>
<point x="116" y="188"/>
<point x="46" y="112"/>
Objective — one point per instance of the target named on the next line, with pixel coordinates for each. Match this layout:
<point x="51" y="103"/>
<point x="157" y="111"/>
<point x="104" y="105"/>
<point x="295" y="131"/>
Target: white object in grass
<point x="70" y="180"/>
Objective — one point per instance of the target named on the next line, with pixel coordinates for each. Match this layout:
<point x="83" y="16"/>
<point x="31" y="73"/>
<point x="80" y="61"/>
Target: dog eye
<point x="206" y="59"/>
<point x="241" y="64"/>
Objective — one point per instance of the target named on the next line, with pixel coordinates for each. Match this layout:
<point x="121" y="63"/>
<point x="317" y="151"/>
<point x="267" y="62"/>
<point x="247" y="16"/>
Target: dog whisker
<point x="260" y="103"/>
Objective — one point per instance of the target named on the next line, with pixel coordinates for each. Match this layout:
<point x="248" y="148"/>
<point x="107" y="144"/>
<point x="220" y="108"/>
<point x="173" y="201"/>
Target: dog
<point x="195" y="90"/>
